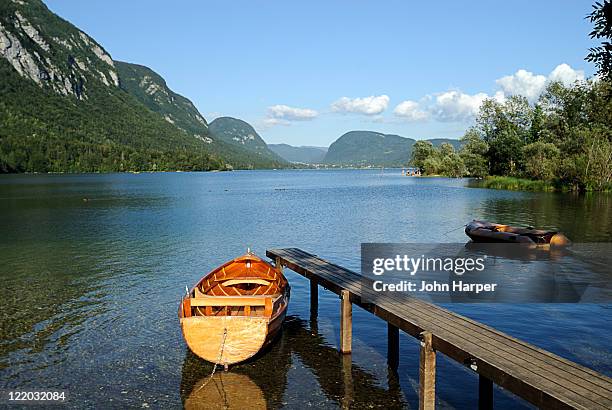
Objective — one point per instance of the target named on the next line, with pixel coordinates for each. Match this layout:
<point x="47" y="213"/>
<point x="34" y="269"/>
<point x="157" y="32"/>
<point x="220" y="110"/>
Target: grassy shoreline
<point x="523" y="184"/>
<point x="518" y="184"/>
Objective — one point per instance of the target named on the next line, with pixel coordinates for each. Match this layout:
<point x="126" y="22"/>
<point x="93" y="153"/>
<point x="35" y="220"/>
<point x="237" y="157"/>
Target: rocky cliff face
<point x="51" y="52"/>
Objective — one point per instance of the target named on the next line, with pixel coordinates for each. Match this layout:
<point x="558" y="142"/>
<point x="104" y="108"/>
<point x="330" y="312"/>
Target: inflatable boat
<point x="482" y="231"/>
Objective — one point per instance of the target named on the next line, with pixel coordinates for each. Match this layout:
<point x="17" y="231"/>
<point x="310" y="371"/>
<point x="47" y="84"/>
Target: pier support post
<point x="278" y="264"/>
<point x="392" y="346"/>
<point x="346" y="322"/>
<point x="427" y="373"/>
<point x="314" y="299"/>
<point x="485" y="393"/>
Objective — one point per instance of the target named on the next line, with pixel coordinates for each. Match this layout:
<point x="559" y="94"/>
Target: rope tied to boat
<point x="454" y="229"/>
<point x="217" y="362"/>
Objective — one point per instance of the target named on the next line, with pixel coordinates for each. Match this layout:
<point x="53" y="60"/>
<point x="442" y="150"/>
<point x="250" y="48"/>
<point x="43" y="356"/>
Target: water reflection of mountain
<point x="341" y="381"/>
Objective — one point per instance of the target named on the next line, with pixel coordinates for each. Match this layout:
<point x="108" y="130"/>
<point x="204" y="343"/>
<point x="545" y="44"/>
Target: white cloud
<point x="267" y="123"/>
<point x="566" y="74"/>
<point x="371" y="105"/>
<point x="283" y="115"/>
<point x="529" y="85"/>
<point x="454" y="105"/>
<point x="291" y="113"/>
<point x="448" y="106"/>
<point x="410" y="110"/>
<point x="523" y="83"/>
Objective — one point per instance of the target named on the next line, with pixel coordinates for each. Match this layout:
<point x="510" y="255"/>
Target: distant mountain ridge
<point x="300" y="155"/>
<point x="369" y="148"/>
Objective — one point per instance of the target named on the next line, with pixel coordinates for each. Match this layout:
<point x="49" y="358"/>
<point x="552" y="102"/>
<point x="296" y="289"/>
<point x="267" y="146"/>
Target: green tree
<point x="432" y="165"/>
<point x="446" y="149"/>
<point x="452" y="165"/>
<point x="505" y="128"/>
<point x="537" y="131"/>
<point x="541" y="160"/>
<point x="421" y="150"/>
<point x="601" y="56"/>
<point x="598" y="170"/>
<point x="473" y="153"/>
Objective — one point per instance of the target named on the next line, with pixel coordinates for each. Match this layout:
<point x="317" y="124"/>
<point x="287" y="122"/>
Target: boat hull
<point x="244" y="336"/>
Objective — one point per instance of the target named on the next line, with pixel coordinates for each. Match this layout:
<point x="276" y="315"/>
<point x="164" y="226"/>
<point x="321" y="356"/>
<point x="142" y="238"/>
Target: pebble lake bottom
<point x="91" y="288"/>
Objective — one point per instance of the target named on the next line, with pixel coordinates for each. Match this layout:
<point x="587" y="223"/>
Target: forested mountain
<point x="368" y="148"/>
<point x="302" y="155"/>
<point x="65" y="107"/>
<point x="150" y="89"/>
<point x="241" y="134"/>
<point x="362" y="148"/>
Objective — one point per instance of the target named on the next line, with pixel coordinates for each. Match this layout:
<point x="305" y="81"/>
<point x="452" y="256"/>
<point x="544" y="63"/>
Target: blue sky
<point x="303" y="73"/>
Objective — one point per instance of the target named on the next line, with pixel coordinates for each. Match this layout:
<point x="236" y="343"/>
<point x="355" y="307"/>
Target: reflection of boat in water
<point x="226" y="390"/>
<point x="235" y="310"/>
<point x="517" y="251"/>
<point x="299" y="349"/>
<point x="482" y="231"/>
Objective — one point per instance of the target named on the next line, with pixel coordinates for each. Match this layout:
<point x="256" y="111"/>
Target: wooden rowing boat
<point x="235" y="310"/>
<point x="482" y="231"/>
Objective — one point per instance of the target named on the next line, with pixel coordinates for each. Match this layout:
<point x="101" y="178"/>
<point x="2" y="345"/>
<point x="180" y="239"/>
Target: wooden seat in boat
<point x="249" y="301"/>
<point x="266" y="278"/>
<point x="240" y="281"/>
<point x="233" y="300"/>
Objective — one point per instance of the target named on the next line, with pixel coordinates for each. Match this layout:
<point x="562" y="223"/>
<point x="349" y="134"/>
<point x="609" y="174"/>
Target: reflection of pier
<point x="264" y="379"/>
<point x="536" y="375"/>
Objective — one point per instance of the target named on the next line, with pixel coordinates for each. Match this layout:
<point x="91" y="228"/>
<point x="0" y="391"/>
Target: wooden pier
<point x="536" y="375"/>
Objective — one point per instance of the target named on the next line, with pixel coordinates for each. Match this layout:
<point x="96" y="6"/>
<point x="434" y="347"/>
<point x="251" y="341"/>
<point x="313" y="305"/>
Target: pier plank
<point x="534" y="374"/>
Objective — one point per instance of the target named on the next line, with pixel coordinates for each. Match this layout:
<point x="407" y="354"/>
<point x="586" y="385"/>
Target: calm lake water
<point x="91" y="287"/>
